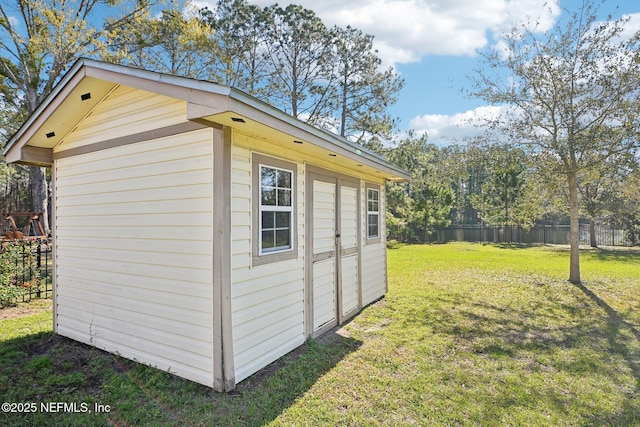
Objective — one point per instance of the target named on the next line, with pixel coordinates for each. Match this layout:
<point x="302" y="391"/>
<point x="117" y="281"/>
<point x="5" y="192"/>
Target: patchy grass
<point x="469" y="334"/>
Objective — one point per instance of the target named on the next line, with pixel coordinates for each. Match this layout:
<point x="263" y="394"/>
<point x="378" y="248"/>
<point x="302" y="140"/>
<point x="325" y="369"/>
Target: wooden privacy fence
<point x="539" y="234"/>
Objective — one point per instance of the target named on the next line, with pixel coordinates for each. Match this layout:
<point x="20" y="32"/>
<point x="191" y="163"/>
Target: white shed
<point x="197" y="229"/>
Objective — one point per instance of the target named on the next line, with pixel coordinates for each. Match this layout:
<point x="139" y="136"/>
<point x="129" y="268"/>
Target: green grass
<point x="468" y="334"/>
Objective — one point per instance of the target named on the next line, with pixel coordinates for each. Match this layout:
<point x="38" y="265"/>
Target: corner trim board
<point x="224" y="370"/>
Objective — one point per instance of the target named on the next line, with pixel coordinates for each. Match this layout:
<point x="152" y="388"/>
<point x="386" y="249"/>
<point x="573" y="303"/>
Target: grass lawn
<point x="468" y="334"/>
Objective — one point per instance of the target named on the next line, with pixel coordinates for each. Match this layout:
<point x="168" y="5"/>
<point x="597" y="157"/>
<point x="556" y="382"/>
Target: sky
<point x="432" y="44"/>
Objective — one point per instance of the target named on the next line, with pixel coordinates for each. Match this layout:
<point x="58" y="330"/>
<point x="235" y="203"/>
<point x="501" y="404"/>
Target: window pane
<point x="282" y="239"/>
<point x="284" y="179"/>
<point x="268" y="220"/>
<point x="284" y="197"/>
<point x="268" y="197"/>
<point x="372" y="225"/>
<point x="268" y="240"/>
<point x="283" y="219"/>
<point x="267" y="177"/>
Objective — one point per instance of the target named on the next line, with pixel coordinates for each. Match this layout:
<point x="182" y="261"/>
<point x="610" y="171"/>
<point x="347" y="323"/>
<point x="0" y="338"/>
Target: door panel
<point x="324" y="214"/>
<point x="349" y="280"/>
<point x="324" y="258"/>
<point x="324" y="293"/>
<point x="348" y="217"/>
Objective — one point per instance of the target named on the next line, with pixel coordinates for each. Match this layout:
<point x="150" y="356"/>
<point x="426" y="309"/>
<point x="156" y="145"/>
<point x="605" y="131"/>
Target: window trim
<point x="378" y="238"/>
<point x="258" y="256"/>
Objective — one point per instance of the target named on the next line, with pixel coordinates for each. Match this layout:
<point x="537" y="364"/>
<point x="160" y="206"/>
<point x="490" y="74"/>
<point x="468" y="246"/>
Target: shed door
<point x="334" y="231"/>
<point x="348" y="252"/>
<point x="324" y="283"/>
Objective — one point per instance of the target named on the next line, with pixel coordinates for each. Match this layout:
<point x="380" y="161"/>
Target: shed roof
<point x="88" y="82"/>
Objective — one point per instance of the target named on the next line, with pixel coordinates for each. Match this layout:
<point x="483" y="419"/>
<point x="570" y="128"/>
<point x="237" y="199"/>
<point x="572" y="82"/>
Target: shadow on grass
<point x="47" y="367"/>
<point x="538" y="345"/>
<point x="512" y="246"/>
<point x="606" y="254"/>
<point x="616" y="324"/>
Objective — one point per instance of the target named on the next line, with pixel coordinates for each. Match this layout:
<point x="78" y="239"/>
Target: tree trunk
<point x="592" y="233"/>
<point x="574" y="230"/>
<point x="39" y="194"/>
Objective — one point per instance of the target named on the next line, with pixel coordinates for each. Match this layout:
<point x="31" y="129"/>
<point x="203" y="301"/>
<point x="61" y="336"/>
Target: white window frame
<point x="275" y="208"/>
<point x="374" y="188"/>
<point x="260" y="256"/>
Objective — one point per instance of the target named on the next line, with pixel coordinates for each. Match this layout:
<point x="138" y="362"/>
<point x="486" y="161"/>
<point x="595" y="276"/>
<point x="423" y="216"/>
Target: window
<point x="276" y="209"/>
<point x="373" y="213"/>
<point x="273" y="210"/>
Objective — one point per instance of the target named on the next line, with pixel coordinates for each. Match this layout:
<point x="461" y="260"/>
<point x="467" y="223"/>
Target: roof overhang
<point x="89" y="82"/>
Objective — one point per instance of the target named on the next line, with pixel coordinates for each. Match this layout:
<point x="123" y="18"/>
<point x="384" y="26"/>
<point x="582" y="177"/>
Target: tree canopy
<point x="571" y="92"/>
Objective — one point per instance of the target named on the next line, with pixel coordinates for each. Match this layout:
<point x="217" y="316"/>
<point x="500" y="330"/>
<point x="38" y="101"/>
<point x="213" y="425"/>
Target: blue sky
<point x="432" y="44"/>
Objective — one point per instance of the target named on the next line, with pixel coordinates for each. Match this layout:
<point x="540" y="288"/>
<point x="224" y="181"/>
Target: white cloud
<point x="407" y="30"/>
<point x="449" y="129"/>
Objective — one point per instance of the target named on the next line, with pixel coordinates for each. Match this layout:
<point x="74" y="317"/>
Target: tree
<point x="290" y="59"/>
<point x="240" y="34"/>
<point x="176" y="43"/>
<point x="363" y="93"/>
<point x="624" y="212"/>
<point x="427" y="199"/>
<point x="466" y="168"/>
<point x="430" y="208"/>
<point x="506" y="195"/>
<point x="602" y="187"/>
<point x="496" y="202"/>
<point x="299" y="51"/>
<point x="572" y="92"/>
<point x="39" y="40"/>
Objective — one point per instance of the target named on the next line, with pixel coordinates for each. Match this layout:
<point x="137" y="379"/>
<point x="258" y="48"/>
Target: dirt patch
<point x="25" y="309"/>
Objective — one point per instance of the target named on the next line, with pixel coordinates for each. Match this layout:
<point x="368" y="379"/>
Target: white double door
<point x="334" y="250"/>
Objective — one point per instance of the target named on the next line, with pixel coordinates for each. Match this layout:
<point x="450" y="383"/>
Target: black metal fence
<point x="539" y="234"/>
<point x="28" y="269"/>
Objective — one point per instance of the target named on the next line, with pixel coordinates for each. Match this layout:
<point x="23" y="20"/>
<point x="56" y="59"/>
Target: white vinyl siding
<point x="374" y="273"/>
<point x="267" y="300"/>
<point x="374" y="255"/>
<point x="134" y="251"/>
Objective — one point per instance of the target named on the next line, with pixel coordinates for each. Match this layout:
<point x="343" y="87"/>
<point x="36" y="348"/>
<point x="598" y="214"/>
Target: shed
<point x="197" y="229"/>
